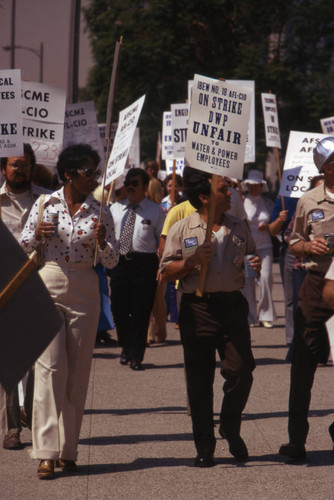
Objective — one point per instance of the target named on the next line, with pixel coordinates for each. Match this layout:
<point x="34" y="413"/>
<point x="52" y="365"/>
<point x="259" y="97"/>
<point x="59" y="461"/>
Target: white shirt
<point x="148" y="224"/>
<point x="258" y="213"/>
<point x="75" y="242"/>
<point x="15" y="207"/>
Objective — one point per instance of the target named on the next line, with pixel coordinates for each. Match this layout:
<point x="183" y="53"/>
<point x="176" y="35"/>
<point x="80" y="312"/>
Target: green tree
<point x="285" y="46"/>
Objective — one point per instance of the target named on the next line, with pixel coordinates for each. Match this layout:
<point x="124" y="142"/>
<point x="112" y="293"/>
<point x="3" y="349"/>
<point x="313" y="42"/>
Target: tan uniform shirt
<point x="314" y="218"/>
<point x="225" y="271"/>
<point x="330" y="273"/>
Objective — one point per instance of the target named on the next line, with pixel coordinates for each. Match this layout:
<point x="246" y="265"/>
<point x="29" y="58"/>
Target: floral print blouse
<point x="74" y="240"/>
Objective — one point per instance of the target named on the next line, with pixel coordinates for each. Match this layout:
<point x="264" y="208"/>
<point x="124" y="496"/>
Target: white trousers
<point x="266" y="309"/>
<point x="62" y="371"/>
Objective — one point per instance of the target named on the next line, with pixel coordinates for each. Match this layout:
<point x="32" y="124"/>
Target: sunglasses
<point x="90" y="172"/>
<point x="133" y="183"/>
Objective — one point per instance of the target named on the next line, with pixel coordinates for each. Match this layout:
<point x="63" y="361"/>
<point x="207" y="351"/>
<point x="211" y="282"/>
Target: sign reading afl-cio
<point x="218" y="124"/>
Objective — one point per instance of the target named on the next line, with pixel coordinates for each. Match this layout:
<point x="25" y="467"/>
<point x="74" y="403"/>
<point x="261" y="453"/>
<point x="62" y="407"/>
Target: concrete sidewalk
<point x="136" y="440"/>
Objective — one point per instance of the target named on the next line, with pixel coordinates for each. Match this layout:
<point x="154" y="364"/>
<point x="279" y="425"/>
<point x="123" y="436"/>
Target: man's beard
<point x="23" y="184"/>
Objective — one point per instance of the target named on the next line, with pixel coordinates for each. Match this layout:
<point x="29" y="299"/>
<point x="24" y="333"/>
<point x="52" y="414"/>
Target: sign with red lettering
<point x="11" y="140"/>
<point x="43" y="112"/>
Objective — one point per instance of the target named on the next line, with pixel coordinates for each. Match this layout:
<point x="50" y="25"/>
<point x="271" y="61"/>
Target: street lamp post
<point x="39" y="53"/>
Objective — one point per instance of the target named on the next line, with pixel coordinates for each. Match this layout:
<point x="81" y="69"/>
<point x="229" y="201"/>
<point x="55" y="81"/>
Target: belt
<point x="316" y="273"/>
<point x="212" y="295"/>
<point x="137" y="255"/>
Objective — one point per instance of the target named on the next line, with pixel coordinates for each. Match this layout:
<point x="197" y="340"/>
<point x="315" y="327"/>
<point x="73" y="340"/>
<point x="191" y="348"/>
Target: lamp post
<point x="39" y="53"/>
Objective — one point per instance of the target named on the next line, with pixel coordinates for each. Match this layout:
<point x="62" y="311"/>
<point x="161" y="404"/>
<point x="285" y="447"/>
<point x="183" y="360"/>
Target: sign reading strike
<point x="81" y="127"/>
<point x="167" y="138"/>
<point x="218" y="124"/>
<point x="43" y="111"/>
<point x="270" y="115"/>
<point x="327" y="125"/>
<point x="180" y="119"/>
<point x="11" y="140"/>
<point x="299" y="167"/>
<point x="128" y="119"/>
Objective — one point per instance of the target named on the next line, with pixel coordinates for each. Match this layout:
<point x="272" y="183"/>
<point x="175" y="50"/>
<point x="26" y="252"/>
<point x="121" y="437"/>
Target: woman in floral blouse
<point x="69" y="242"/>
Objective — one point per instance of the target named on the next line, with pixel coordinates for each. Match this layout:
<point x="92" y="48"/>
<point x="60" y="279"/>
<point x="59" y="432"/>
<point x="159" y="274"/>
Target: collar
<point x="89" y="201"/>
<point x="197" y="221"/>
<point x="34" y="190"/>
<point x="127" y="202"/>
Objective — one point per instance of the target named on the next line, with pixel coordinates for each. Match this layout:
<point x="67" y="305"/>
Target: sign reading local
<point x="43" y="111"/>
<point x="218" y="123"/>
<point x="11" y="139"/>
<point x="299" y="167"/>
<point x="128" y="119"/>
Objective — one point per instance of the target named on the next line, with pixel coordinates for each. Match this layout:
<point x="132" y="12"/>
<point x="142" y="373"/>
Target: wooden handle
<point x="211" y="215"/>
<point x="26" y="270"/>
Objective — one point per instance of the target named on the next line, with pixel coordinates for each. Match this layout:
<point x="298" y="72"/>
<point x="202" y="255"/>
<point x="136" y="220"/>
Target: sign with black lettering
<point x="299" y="167"/>
<point x="270" y="116"/>
<point x="218" y="124"/>
<point x="128" y="119"/>
<point x="167" y="138"/>
<point x="43" y="112"/>
<point x="178" y="167"/>
<point x="11" y="140"/>
<point x="180" y="119"/>
<point x="80" y="127"/>
<point x="327" y="125"/>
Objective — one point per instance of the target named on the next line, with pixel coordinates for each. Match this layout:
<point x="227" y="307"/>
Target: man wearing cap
<point x="218" y="319"/>
<point x="314" y="221"/>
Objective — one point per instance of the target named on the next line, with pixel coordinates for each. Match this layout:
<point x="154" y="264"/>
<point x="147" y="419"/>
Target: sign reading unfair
<point x="270" y="115"/>
<point x="81" y="127"/>
<point x="299" y="167"/>
<point x="43" y="111"/>
<point x="218" y="124"/>
<point x="128" y="119"/>
<point x="11" y="140"/>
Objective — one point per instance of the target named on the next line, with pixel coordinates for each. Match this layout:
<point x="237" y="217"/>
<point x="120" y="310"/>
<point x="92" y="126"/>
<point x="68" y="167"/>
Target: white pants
<point x="266" y="309"/>
<point x="62" y="371"/>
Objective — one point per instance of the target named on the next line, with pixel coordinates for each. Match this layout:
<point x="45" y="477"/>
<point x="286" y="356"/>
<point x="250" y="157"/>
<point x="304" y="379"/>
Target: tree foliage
<point x="285" y="46"/>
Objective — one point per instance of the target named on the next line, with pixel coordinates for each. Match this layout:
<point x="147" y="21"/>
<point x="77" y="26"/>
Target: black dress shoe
<point x="331" y="432"/>
<point x="123" y="359"/>
<point x="237" y="446"/>
<point x="12" y="442"/>
<point x="204" y="461"/>
<point x="137" y="366"/>
<point x="292" y="451"/>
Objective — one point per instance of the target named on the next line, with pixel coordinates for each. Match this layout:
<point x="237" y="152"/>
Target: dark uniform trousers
<point x="216" y="321"/>
<point x="310" y="347"/>
<point x="133" y="286"/>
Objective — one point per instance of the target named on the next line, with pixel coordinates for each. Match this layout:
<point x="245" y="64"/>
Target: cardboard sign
<point x="167" y="138"/>
<point x="29" y="320"/>
<point x="250" y="142"/>
<point x="128" y="119"/>
<point x="43" y="111"/>
<point x="330" y="331"/>
<point x="299" y="167"/>
<point x="11" y="139"/>
<point x="327" y="125"/>
<point x="218" y="124"/>
<point x="270" y="116"/>
<point x="180" y="119"/>
<point x="179" y="166"/>
<point x="80" y="127"/>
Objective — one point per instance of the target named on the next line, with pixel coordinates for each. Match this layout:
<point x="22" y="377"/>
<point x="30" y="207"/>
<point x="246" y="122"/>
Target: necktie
<point x="125" y="241"/>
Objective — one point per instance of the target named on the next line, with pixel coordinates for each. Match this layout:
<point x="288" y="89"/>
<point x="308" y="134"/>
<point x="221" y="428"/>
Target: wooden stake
<point x="210" y="221"/>
<point x="172" y="194"/>
<point x="279" y="175"/>
<point x="26" y="270"/>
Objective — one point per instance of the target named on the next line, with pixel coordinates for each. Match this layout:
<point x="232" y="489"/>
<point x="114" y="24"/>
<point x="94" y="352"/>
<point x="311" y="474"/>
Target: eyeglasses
<point x="90" y="172"/>
<point x="19" y="164"/>
<point x="133" y="183"/>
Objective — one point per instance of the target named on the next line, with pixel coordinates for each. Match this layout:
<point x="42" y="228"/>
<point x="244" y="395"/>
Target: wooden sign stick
<point x="209" y="226"/>
<point x="279" y="175"/>
<point x="26" y="270"/>
<point x="110" y="109"/>
<point x="172" y="194"/>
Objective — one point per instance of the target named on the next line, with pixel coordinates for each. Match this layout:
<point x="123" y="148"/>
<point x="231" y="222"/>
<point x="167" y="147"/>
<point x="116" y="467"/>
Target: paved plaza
<point x="136" y="440"/>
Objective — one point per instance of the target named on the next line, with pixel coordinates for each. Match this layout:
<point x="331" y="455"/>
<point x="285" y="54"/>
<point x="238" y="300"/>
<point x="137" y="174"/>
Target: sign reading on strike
<point x="299" y="167"/>
<point x="11" y="140"/>
<point x="218" y="124"/>
<point x="270" y="115"/>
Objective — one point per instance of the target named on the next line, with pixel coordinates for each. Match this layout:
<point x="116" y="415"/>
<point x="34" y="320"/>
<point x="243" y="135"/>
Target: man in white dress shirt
<point x="138" y="224"/>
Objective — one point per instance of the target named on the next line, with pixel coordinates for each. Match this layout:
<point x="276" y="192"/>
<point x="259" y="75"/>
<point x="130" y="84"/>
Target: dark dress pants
<point x="216" y="321"/>
<point x="310" y="346"/>
<point x="133" y="286"/>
